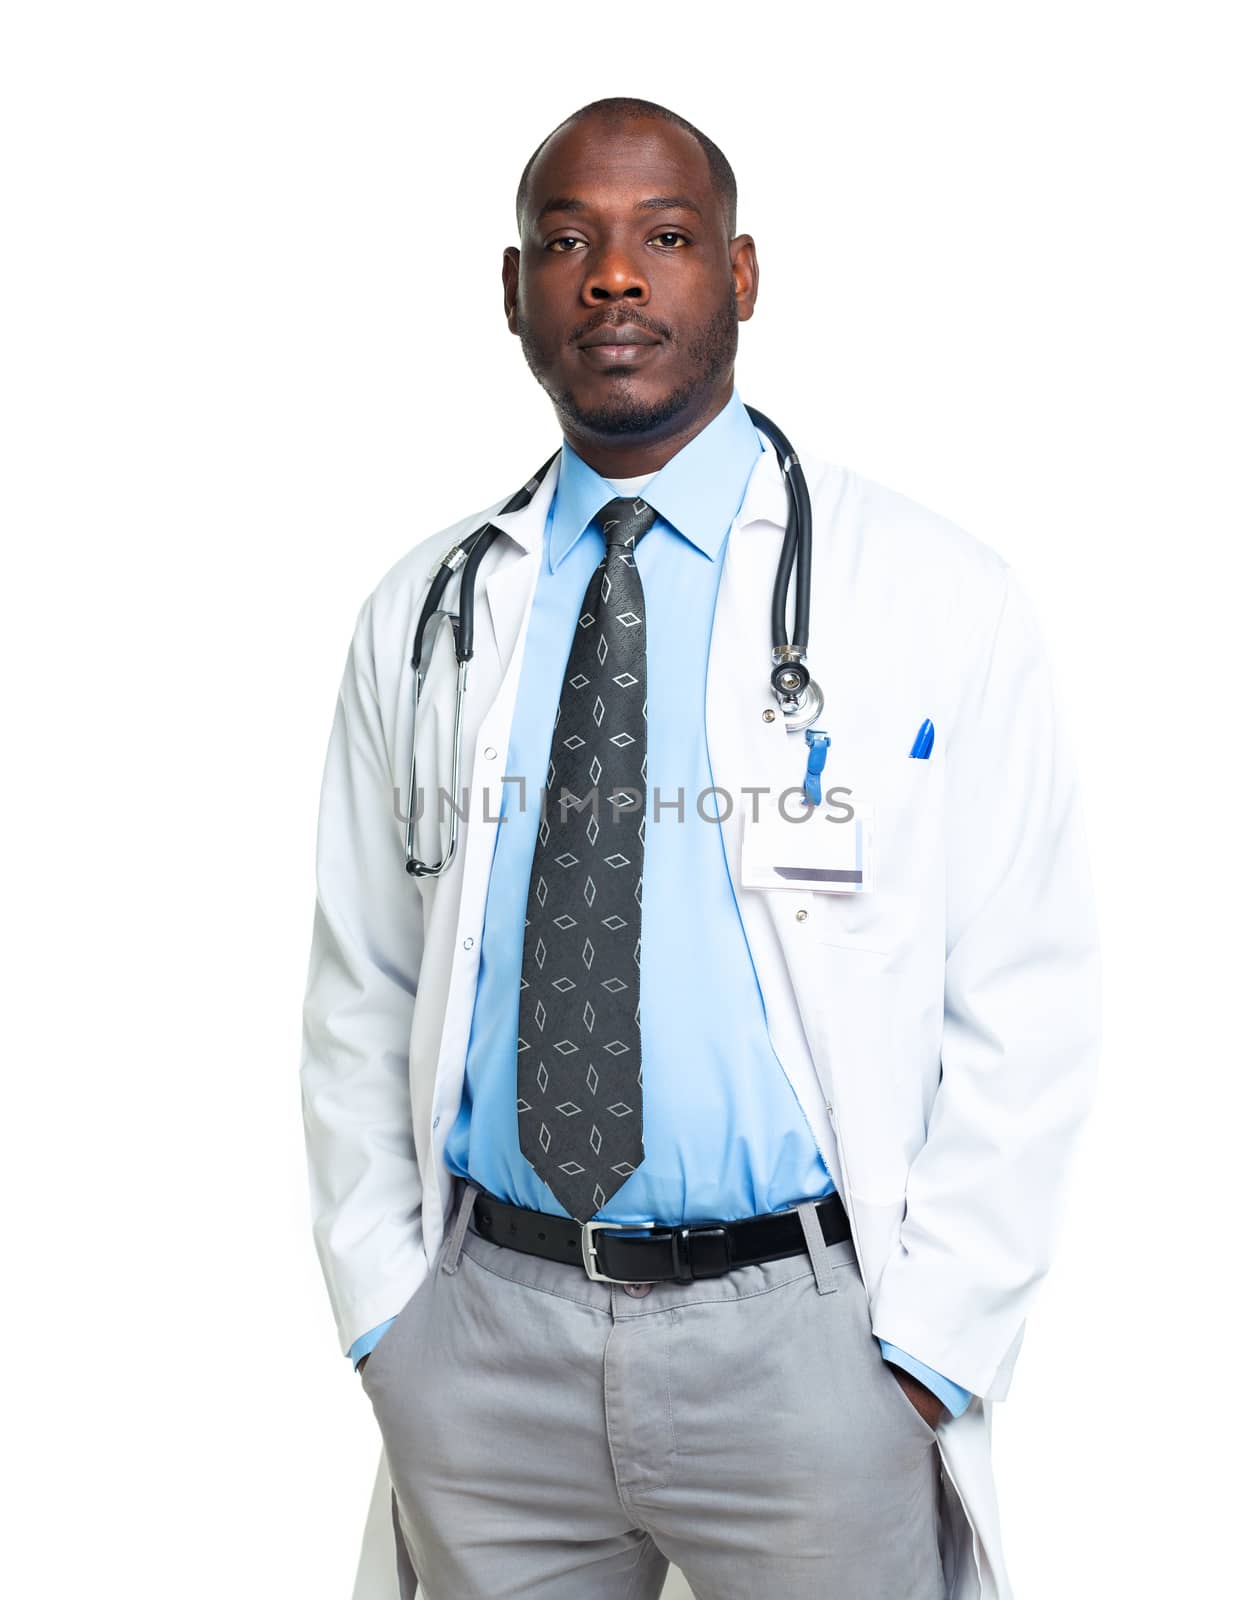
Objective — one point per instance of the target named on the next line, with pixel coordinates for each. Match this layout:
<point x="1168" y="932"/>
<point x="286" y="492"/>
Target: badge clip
<point x="819" y="742"/>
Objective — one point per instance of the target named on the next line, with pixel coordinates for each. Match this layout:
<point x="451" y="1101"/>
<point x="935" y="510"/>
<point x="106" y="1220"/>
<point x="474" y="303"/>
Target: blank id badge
<point x="810" y="847"/>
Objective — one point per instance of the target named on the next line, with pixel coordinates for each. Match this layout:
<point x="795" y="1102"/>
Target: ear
<point x="744" y="255"/>
<point x="512" y="277"/>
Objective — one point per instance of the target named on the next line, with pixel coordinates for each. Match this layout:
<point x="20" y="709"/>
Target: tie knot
<point x="623" y="521"/>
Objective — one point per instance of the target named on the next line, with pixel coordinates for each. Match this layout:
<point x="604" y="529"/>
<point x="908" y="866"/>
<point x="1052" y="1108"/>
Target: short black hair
<point x="622" y="109"/>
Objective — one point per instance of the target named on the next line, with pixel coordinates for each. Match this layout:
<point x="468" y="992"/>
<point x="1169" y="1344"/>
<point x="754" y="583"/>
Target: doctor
<point x="834" y="1117"/>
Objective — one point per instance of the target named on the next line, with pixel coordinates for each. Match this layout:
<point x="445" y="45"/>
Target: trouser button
<point x="638" y="1290"/>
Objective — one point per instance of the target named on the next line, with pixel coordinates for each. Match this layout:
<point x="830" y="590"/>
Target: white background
<point x="251" y="292"/>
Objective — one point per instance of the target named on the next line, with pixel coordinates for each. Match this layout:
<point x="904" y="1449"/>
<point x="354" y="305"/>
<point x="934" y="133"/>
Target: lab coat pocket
<point x="903" y="800"/>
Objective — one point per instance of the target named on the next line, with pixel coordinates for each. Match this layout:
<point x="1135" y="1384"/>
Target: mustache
<point x="623" y="319"/>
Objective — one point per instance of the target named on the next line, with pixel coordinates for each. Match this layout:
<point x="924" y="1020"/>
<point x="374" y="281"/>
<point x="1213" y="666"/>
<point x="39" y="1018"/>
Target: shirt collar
<point x="699" y="491"/>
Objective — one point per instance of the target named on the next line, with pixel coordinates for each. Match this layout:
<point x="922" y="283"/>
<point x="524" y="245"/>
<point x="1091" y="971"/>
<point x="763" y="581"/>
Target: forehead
<point x="615" y="164"/>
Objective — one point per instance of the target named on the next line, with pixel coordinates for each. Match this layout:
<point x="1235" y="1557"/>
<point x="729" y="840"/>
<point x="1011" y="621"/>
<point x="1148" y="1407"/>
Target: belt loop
<point x="452" y="1249"/>
<point x="824" y="1272"/>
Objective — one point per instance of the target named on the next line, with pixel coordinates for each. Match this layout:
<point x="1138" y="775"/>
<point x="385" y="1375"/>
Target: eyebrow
<point x="662" y="202"/>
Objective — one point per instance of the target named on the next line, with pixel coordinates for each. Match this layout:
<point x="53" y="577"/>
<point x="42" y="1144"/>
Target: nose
<point x="614" y="275"/>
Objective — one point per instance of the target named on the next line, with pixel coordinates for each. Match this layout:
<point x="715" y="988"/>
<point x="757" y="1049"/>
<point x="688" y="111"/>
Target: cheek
<point x="547" y="319"/>
<point x="551" y="290"/>
<point x="693" y="302"/>
<point x="537" y="329"/>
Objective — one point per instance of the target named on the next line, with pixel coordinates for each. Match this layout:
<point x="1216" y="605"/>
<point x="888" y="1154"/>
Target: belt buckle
<point x="589" y="1251"/>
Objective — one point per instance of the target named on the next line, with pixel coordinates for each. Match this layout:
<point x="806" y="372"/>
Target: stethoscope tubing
<point x="798" y="541"/>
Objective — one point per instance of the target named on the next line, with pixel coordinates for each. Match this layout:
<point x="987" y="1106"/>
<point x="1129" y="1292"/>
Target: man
<point x="833" y="1108"/>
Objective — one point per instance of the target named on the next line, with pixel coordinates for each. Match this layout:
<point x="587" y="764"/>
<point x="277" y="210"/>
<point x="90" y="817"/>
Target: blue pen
<point x="924" y="742"/>
<point x="818" y="743"/>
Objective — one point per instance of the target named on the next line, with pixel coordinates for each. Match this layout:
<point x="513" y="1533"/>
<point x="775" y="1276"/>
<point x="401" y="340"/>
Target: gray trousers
<point x="554" y="1438"/>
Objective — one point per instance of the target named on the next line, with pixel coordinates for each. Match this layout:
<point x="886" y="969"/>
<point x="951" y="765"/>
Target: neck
<point x="631" y="455"/>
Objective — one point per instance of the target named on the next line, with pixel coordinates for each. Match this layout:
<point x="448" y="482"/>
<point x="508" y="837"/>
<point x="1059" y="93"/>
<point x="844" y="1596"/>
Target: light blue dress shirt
<point x="724" y="1134"/>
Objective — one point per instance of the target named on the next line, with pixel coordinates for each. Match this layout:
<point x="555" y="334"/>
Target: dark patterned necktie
<point x="579" y="1079"/>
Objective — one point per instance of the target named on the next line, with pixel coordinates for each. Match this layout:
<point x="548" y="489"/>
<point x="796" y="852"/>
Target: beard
<point x="709" y="352"/>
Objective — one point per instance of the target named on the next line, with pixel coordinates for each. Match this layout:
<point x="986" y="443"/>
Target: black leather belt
<point x="650" y="1252"/>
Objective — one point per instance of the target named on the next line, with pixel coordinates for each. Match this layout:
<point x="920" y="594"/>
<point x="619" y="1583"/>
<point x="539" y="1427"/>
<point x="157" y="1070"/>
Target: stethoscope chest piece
<point x="797" y="695"/>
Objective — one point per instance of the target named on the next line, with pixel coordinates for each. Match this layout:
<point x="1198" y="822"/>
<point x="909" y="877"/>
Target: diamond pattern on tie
<point x="579" y="1100"/>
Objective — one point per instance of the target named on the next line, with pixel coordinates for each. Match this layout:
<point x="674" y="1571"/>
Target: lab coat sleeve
<point x="366" y="951"/>
<point x="1020" y="1023"/>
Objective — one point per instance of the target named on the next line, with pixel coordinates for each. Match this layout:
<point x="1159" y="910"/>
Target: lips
<point x="626" y="333"/>
<point x="626" y="348"/>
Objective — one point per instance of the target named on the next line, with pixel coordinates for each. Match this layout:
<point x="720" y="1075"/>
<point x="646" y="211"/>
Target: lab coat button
<point x="801" y="915"/>
<point x="435" y="1122"/>
<point x="489" y="753"/>
<point x="469" y="944"/>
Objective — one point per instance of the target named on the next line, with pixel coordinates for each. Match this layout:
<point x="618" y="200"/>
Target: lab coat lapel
<point x="743" y="743"/>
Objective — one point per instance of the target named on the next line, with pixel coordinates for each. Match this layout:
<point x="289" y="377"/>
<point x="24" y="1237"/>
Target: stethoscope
<point x="796" y="694"/>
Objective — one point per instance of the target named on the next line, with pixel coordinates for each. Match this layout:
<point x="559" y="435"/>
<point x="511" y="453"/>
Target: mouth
<point x="626" y="333"/>
<point x="625" y="346"/>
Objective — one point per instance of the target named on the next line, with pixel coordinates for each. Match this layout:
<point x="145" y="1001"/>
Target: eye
<point x="678" y="239"/>
<point x="566" y="239"/>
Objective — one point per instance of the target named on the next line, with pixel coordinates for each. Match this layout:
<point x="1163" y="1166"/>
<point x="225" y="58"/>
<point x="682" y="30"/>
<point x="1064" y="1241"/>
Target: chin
<point x="623" y="408"/>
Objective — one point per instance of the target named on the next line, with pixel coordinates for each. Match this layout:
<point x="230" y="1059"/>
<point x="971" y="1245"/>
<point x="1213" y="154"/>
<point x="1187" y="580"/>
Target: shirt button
<point x="639" y="1291"/>
<point x="489" y="753"/>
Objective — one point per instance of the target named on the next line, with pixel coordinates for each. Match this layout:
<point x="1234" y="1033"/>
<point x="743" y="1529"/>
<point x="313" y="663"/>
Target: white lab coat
<point x="940" y="1033"/>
